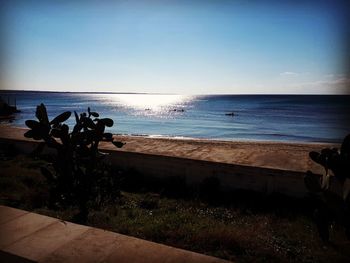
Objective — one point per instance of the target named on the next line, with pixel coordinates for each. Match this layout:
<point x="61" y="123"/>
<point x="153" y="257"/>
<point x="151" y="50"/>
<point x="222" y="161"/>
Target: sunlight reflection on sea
<point x="153" y="105"/>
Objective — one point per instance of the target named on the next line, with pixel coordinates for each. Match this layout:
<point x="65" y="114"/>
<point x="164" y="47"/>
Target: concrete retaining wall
<point x="231" y="176"/>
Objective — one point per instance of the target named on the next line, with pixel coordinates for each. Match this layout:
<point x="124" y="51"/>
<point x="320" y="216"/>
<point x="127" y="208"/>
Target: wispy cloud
<point x="289" y="73"/>
<point x="329" y="84"/>
<point x="333" y="81"/>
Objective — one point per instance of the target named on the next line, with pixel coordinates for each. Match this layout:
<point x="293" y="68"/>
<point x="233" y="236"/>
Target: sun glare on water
<point x="149" y="102"/>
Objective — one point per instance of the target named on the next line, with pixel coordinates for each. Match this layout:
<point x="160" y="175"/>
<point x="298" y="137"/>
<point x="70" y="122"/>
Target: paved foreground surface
<point x="30" y="237"/>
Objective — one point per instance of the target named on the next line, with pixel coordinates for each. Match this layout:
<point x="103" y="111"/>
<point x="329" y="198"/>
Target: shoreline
<point x="220" y="140"/>
<point x="291" y="156"/>
<point x="196" y="139"/>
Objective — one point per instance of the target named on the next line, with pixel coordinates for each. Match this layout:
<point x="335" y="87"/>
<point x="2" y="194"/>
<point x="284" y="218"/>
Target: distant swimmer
<point x="179" y="110"/>
<point x="230" y="114"/>
<point x="147" y="109"/>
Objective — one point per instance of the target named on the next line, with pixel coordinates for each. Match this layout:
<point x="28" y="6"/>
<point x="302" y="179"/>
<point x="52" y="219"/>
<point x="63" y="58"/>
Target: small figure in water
<point x="178" y="110"/>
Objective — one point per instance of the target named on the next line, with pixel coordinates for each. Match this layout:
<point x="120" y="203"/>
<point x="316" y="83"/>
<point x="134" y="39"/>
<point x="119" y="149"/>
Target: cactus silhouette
<point x="330" y="206"/>
<point x="78" y="175"/>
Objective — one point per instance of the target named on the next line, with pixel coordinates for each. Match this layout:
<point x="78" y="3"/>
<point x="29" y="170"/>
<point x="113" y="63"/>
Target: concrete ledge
<point x="30" y="237"/>
<point x="231" y="176"/>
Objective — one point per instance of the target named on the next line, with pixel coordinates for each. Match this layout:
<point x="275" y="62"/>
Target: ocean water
<point x="302" y="118"/>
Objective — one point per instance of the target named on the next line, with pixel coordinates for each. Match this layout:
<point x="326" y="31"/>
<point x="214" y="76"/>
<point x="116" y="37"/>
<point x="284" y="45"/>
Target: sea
<point x="286" y="118"/>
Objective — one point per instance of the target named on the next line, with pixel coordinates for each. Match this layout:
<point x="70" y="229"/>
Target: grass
<point x="250" y="229"/>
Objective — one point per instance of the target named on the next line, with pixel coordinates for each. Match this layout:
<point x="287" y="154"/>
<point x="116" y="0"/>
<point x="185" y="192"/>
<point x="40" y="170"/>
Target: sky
<point x="182" y="47"/>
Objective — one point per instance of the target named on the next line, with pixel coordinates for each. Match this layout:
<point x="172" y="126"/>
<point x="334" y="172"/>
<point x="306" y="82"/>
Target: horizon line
<point x="158" y="93"/>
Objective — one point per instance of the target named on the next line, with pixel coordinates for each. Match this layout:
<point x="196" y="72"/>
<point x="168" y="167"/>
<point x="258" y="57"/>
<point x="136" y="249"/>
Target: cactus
<point x="78" y="174"/>
<point x="329" y="206"/>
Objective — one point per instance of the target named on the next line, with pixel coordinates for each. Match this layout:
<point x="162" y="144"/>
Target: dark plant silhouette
<point x="329" y="205"/>
<point x="78" y="175"/>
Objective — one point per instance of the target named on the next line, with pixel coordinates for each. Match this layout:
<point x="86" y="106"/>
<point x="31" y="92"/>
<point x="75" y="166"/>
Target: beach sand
<point x="277" y="155"/>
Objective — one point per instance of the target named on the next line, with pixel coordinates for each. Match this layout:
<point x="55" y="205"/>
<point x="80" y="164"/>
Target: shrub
<point x="78" y="175"/>
<point x="330" y="206"/>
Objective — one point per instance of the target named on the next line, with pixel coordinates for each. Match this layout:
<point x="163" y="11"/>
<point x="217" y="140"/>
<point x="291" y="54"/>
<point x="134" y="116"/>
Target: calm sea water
<point x="257" y="117"/>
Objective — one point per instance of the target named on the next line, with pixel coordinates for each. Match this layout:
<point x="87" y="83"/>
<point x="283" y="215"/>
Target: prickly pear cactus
<point x="329" y="206"/>
<point x="77" y="175"/>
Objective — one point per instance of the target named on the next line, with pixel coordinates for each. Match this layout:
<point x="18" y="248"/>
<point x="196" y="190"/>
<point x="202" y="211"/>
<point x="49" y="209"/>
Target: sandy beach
<point x="279" y="155"/>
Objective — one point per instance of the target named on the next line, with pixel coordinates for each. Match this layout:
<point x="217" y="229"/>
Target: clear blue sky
<point x="196" y="47"/>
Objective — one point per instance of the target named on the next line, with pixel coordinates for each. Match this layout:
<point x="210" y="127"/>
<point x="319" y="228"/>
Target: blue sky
<point x="185" y="47"/>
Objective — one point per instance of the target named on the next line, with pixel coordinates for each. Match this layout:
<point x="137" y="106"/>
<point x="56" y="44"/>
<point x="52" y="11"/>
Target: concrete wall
<point x="231" y="176"/>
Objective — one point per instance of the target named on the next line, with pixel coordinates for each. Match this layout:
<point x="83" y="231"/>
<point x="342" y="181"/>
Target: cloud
<point x="289" y="73"/>
<point x="340" y="81"/>
<point x="337" y="85"/>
